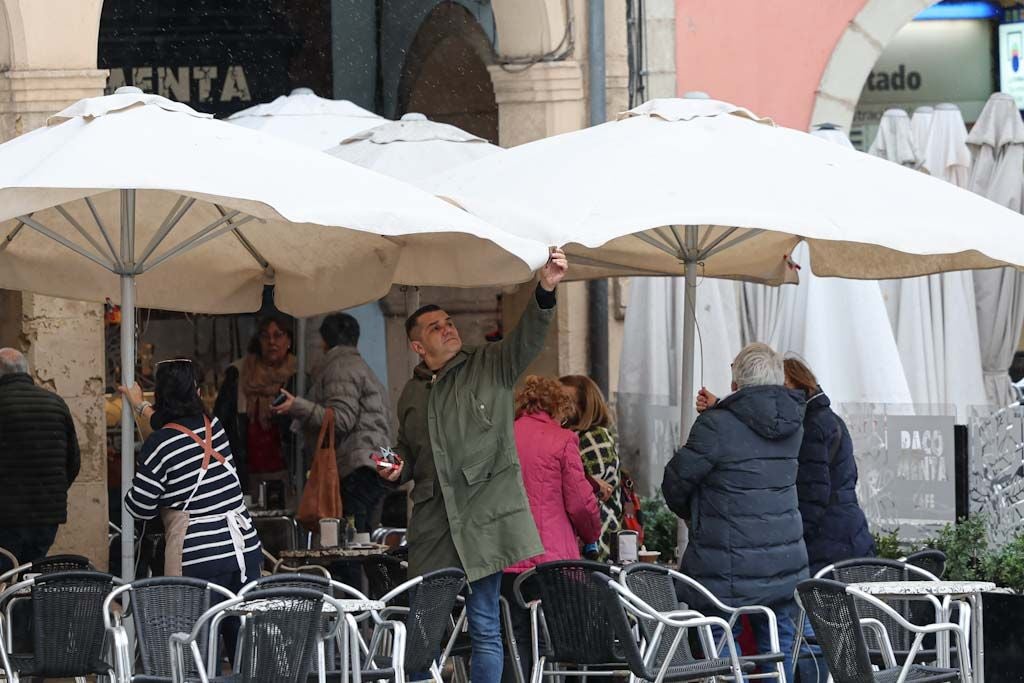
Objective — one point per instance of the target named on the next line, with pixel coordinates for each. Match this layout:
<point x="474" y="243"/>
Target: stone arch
<point x="856" y="53"/>
<point x="450" y="47"/>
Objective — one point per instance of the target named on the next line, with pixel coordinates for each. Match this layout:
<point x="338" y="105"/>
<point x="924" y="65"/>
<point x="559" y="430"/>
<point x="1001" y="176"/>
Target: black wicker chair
<point x="569" y="609"/>
<point x="159" y="607"/>
<point x="931" y="560"/>
<point x="837" y="614"/>
<point x="427" y="621"/>
<point x="915" y="611"/>
<point x="668" y="656"/>
<point x="384" y="573"/>
<point x="278" y="639"/>
<point x="657" y="586"/>
<point x="68" y="631"/>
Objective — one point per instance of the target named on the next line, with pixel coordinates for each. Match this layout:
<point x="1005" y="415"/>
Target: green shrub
<point x="887" y="544"/>
<point x="659" y="527"/>
<point x="967" y="552"/>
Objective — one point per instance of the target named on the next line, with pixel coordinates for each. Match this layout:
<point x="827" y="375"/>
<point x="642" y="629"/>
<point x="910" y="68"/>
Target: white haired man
<point x="734" y="482"/>
<point x="39" y="460"/>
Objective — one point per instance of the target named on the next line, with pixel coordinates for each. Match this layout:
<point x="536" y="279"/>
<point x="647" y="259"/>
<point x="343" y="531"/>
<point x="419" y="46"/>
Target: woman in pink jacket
<point x="561" y="498"/>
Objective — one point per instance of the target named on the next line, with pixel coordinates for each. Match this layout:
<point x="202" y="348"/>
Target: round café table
<point x="966" y="591"/>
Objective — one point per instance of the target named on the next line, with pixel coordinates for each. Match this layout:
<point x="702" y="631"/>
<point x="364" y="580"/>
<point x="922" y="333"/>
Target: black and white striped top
<point x="165" y="477"/>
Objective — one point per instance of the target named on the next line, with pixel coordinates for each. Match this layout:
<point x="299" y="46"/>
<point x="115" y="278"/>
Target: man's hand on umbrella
<point x="705" y="400"/>
<point x="554" y="270"/>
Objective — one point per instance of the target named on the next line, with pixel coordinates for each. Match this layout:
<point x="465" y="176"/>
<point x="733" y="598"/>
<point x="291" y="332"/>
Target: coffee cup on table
<point x="362" y="539"/>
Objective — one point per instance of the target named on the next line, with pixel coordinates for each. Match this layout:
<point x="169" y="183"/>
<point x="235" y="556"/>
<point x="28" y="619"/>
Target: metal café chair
<point x="68" y="629"/>
<point x="44" y="565"/>
<point x="278" y="639"/>
<point x="158" y="608"/>
<point x="915" y="611"/>
<point x="837" y="614"/>
<point x="9" y="556"/>
<point x="424" y="605"/>
<point x="657" y="587"/>
<point x="567" y="609"/>
<point x="348" y="639"/>
<point x="666" y="655"/>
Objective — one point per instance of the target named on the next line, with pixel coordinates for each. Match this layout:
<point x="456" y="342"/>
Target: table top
<point x="347" y="606"/>
<point x="362" y="550"/>
<point x="259" y="513"/>
<point x="923" y="587"/>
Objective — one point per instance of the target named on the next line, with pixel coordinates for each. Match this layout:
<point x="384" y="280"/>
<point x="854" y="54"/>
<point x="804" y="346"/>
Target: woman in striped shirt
<point x="186" y="475"/>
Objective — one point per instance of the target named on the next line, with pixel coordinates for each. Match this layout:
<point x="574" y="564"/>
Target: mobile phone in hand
<point x="279" y="399"/>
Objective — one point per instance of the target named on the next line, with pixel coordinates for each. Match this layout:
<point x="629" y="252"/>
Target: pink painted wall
<point x="767" y="56"/>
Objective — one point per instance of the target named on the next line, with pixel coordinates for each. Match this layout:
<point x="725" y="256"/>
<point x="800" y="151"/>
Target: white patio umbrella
<point x="413" y="149"/>
<point x="307" y="119"/>
<point x="114" y="187"/>
<point x="839" y="326"/>
<point x="997" y="172"/>
<point x="920" y="124"/>
<point x="688" y="187"/>
<point x="936" y="321"/>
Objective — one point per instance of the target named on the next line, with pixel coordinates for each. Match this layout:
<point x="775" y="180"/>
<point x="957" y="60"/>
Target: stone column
<point x="62" y="339"/>
<point x="546" y="99"/>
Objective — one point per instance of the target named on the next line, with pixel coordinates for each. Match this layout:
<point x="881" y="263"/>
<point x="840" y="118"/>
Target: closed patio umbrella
<point x="936" y="322"/>
<point x="135" y="189"/>
<point x="997" y="172"/>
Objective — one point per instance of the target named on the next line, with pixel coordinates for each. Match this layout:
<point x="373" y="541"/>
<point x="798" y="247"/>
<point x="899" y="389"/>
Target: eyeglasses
<point x="277" y="336"/>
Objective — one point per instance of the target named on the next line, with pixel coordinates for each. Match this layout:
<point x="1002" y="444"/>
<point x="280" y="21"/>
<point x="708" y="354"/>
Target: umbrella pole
<point x="686" y="400"/>
<point x="127" y="379"/>
<point x="302" y="365"/>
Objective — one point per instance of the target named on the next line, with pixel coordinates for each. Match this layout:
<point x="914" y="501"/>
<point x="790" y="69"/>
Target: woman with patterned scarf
<point x="592" y="420"/>
<point x="261" y="442"/>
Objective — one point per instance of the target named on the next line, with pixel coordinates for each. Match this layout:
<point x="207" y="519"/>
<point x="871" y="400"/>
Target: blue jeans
<point x="786" y="614"/>
<point x="484" y="615"/>
<point x="811" y="666"/>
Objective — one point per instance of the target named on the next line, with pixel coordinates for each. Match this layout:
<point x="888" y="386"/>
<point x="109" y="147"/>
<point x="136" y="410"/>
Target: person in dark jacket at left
<point x="835" y="528"/>
<point x="39" y="460"/>
<point x="734" y="482"/>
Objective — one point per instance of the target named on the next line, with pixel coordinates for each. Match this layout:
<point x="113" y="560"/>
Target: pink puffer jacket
<point x="561" y="499"/>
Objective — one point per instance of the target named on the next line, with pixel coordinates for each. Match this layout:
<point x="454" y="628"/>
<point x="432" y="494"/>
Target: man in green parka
<point x="456" y="442"/>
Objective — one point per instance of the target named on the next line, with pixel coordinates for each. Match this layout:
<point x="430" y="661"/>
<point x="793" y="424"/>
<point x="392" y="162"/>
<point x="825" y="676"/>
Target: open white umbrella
<point x="413" y="149"/>
<point x="307" y="119"/>
<point x="134" y="188"/>
<point x="689" y="187"/>
<point x="997" y="172"/>
<point x="839" y="326"/>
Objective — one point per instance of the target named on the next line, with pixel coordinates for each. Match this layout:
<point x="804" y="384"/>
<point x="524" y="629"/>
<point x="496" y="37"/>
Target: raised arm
<point x="516" y="351"/>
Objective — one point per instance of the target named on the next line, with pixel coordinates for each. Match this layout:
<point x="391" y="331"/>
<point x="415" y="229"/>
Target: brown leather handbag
<point x="321" y="498"/>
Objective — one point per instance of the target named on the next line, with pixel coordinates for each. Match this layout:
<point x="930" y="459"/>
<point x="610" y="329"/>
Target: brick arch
<point x="856" y="53"/>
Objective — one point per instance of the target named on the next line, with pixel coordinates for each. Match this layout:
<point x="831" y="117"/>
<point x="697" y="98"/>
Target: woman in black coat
<point x="834" y="525"/>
